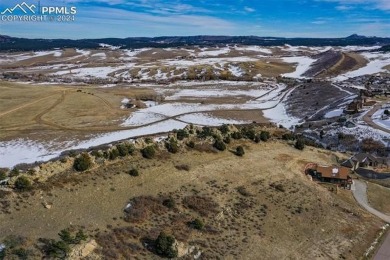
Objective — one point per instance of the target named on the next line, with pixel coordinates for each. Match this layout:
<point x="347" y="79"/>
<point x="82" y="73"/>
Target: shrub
<point x="148" y="140"/>
<point x="3" y="175"/>
<point x="113" y="154"/>
<point x="22" y="183"/>
<point x="206" y="131"/>
<point x="264" y="136"/>
<point x="164" y="246"/>
<point x="386" y="112"/>
<point x="257" y="139"/>
<point x="14" y="172"/>
<point x="56" y="249"/>
<point x="219" y="145"/>
<point x="224" y="129"/>
<point x="191" y="144"/>
<point x="248" y="133"/>
<point x="134" y="172"/>
<point x="148" y="152"/>
<point x="181" y="134"/>
<point x="122" y="150"/>
<point x="240" y="151"/>
<point x="236" y="135"/>
<point x="197" y="224"/>
<point x="300" y="144"/>
<point x="172" y="146"/>
<point x="288" y="136"/>
<point x="169" y="203"/>
<point x="83" y="162"/>
<point x="227" y="140"/>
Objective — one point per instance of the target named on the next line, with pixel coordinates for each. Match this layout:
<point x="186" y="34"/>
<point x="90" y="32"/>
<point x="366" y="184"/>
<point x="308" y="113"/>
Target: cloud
<point x="383" y="5"/>
<point x="249" y="9"/>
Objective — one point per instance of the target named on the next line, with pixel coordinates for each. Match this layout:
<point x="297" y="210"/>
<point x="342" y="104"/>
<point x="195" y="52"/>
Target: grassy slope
<point x="303" y="221"/>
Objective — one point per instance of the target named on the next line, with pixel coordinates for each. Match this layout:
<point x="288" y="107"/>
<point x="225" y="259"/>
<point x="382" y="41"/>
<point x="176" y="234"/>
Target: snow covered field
<point x="303" y="64"/>
<point x="376" y="64"/>
<point x="381" y="119"/>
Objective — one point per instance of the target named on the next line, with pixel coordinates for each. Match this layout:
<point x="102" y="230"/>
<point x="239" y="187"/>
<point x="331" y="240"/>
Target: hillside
<point x="23" y="44"/>
<point x="256" y="206"/>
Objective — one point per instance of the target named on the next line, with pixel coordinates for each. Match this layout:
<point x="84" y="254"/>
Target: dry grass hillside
<point x="258" y="206"/>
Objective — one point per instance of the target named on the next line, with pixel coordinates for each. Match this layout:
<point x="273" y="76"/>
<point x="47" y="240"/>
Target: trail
<point x="26" y="105"/>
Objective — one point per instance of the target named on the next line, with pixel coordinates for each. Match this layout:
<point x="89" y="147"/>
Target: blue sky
<point x="284" y="18"/>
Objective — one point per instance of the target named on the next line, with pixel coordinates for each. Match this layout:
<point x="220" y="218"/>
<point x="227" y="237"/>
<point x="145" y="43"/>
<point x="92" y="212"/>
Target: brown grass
<point x="378" y="197"/>
<point x="257" y="206"/>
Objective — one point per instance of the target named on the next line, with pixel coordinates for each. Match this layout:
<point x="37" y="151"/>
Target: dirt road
<point x="359" y="190"/>
<point x="368" y="119"/>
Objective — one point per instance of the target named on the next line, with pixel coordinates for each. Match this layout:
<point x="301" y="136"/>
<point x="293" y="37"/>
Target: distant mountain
<point x="356" y="36"/>
<point x="22" y="44"/>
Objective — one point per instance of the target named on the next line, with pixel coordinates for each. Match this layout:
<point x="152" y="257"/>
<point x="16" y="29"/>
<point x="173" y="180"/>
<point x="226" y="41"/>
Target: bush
<point x="300" y="144"/>
<point x="148" y="140"/>
<point x="14" y="172"/>
<point x="22" y="183"/>
<point x="288" y="136"/>
<point x="386" y="112"/>
<point x="113" y="154"/>
<point x="240" y="151"/>
<point x="197" y="224"/>
<point x="236" y="135"/>
<point x="248" y="133"/>
<point x="219" y="145"/>
<point x="3" y="175"/>
<point x="224" y="129"/>
<point x="206" y="131"/>
<point x="164" y="246"/>
<point x="181" y="134"/>
<point x="122" y="150"/>
<point x="83" y="162"/>
<point x="172" y="146"/>
<point x="264" y="136"/>
<point x="148" y="152"/>
<point x="134" y="172"/>
<point x="191" y="144"/>
<point x="227" y="140"/>
<point x="169" y="203"/>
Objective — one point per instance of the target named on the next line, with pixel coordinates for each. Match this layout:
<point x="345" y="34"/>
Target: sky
<point x="147" y="18"/>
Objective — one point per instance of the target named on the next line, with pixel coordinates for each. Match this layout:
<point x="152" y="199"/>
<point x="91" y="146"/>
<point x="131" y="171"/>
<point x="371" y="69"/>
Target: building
<point x="333" y="174"/>
<point x="365" y="160"/>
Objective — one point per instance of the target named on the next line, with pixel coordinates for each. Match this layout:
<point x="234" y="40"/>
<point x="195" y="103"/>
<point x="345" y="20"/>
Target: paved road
<point x="359" y="190"/>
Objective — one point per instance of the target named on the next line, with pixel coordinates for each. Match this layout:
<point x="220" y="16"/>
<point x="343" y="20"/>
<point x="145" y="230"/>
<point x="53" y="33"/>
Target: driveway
<point x="359" y="189"/>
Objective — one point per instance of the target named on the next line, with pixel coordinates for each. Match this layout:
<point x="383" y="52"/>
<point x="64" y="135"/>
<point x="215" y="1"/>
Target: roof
<point x="361" y="157"/>
<point x="335" y="172"/>
<point x="348" y="163"/>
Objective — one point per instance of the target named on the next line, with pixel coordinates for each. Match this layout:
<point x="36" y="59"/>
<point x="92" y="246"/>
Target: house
<point x="333" y="174"/>
<point x="364" y="160"/>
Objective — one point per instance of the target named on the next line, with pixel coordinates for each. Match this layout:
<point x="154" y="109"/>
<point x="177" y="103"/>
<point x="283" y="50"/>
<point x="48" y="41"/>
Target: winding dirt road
<point x="368" y="119"/>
